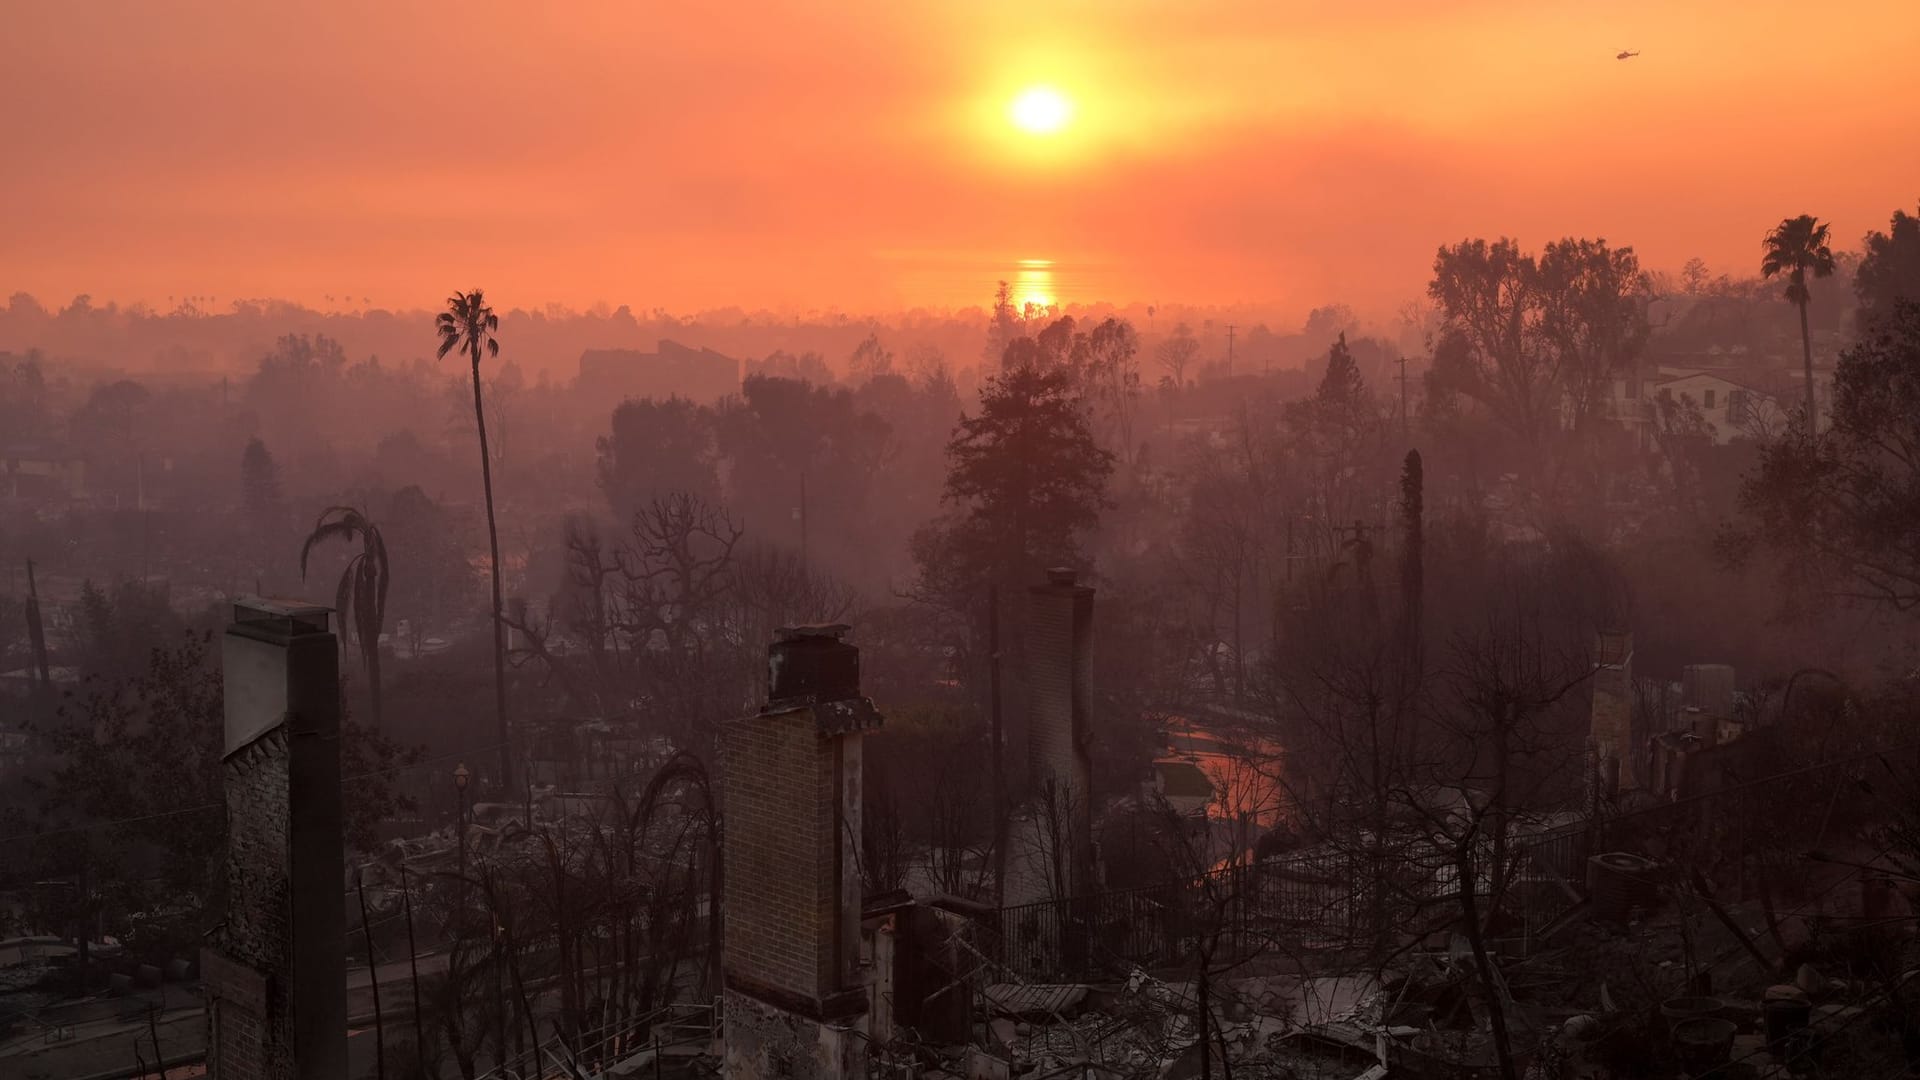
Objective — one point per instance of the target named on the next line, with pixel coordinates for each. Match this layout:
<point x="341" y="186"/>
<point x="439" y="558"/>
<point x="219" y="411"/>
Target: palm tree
<point x="468" y="325"/>
<point x="1795" y="246"/>
<point x="363" y="584"/>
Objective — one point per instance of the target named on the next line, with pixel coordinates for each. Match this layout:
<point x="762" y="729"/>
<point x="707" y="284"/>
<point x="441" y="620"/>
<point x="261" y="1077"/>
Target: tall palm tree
<point x="468" y="325"/>
<point x="363" y="584"/>
<point x="1798" y="245"/>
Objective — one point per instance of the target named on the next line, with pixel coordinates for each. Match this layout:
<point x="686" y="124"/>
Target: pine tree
<point x="1342" y="385"/>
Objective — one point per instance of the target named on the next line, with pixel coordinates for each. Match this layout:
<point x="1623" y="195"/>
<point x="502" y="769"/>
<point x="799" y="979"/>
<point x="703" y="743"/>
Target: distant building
<point x="614" y="375"/>
<point x="1732" y="402"/>
<point x="41" y="471"/>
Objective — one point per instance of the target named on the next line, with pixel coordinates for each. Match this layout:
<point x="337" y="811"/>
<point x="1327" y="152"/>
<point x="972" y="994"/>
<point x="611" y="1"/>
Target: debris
<point x="1036" y="1002"/>
<point x="1584" y="1028"/>
<point x="981" y="1065"/>
<point x="1809" y="979"/>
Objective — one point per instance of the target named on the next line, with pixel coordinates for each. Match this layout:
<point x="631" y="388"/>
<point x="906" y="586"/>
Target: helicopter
<point x="1627" y="54"/>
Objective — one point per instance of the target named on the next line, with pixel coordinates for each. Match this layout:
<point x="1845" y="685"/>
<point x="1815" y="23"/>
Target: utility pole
<point x="37" y="635"/>
<point x="1403" y="398"/>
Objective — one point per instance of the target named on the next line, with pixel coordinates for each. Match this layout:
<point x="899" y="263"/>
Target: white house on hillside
<point x="1731" y="403"/>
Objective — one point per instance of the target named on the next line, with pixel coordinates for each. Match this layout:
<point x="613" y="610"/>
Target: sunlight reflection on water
<point x="937" y="279"/>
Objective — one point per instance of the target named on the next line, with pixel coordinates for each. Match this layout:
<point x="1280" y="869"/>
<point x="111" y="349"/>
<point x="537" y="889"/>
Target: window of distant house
<point x="1736" y="400"/>
<point x="1709" y="399"/>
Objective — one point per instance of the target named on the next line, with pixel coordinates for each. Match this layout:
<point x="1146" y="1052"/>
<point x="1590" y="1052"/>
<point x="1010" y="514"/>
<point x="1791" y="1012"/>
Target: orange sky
<point x="856" y="155"/>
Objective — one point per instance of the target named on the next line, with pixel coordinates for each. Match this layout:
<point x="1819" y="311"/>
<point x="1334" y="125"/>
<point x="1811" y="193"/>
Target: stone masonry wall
<point x="253" y="1021"/>
<point x="768" y="1043"/>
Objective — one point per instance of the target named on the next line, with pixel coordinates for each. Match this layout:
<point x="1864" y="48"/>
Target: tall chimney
<point x="796" y="1003"/>
<point x="275" y="975"/>
<point x="1709" y="688"/>
<point x="1612" y="718"/>
<point x="1060" y="772"/>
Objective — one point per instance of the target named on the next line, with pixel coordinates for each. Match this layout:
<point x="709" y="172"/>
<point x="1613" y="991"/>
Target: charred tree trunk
<point x="373" y="981"/>
<point x="1482" y="962"/>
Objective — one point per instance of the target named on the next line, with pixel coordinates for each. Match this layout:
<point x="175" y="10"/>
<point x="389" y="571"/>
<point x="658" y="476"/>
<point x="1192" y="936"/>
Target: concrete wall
<point x="1060" y="771"/>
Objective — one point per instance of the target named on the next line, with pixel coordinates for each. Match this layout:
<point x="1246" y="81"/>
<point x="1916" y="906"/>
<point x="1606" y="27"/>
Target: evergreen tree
<point x="1026" y="478"/>
<point x="259" y="482"/>
<point x="1341" y="386"/>
<point x="1889" y="270"/>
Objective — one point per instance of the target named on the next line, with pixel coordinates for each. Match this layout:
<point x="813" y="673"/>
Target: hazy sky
<point x="859" y="155"/>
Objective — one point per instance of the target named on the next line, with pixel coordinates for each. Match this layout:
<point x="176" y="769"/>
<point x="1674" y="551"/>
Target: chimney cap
<point x="288" y="616"/>
<point x="1062" y="575"/>
<point x="812" y="632"/>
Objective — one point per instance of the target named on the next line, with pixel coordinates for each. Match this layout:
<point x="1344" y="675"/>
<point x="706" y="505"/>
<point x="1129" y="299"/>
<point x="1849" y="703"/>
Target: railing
<point x="1330" y="898"/>
<point x="1235" y="910"/>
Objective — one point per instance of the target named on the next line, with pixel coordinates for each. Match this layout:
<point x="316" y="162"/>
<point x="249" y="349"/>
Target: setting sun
<point x="1041" y="110"/>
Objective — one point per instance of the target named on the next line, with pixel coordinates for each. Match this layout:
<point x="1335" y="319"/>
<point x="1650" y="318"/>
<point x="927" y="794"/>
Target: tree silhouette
<point x="1177" y="353"/>
<point x="1890" y="270"/>
<point x="468" y="325"/>
<point x="1342" y="385"/>
<point x="1841" y="509"/>
<point x="869" y="359"/>
<point x="1029" y="476"/>
<point x="363" y="585"/>
<point x="1796" y="246"/>
<point x="261" y="498"/>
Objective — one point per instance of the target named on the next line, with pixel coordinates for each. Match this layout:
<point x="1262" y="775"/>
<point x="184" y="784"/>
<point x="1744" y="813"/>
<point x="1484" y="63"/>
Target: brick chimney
<point x="1709" y="688"/>
<point x="795" y="1000"/>
<point x="275" y="976"/>
<point x="1612" y="718"/>
<point x="1060" y="772"/>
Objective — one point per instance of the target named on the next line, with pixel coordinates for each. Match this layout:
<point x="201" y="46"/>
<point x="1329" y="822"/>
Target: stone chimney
<point x="275" y="975"/>
<point x="795" y="1000"/>
<point x="1612" y="722"/>
<point x="1059" y="770"/>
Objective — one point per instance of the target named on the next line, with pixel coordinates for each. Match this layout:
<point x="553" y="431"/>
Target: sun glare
<point x="1033" y="284"/>
<point x="1041" y="110"/>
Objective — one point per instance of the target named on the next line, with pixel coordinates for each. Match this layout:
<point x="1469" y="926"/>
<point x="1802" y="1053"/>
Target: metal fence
<point x="591" y="1053"/>
<point x="1236" y="910"/>
<point x="1326" y="899"/>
